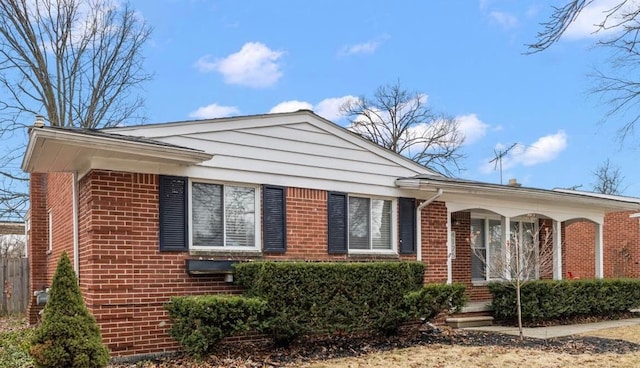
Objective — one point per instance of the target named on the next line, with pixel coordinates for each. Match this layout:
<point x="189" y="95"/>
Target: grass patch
<point x="487" y="356"/>
<point x="627" y="333"/>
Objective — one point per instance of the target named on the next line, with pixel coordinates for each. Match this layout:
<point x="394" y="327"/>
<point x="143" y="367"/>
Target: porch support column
<point x="449" y="249"/>
<point x="557" y="250"/>
<point x="506" y="236"/>
<point x="599" y="251"/>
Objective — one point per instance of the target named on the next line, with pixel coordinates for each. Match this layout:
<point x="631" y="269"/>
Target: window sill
<point x="226" y="253"/>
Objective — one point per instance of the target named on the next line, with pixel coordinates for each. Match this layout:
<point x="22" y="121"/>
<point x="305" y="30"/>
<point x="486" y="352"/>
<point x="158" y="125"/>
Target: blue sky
<point x="224" y="58"/>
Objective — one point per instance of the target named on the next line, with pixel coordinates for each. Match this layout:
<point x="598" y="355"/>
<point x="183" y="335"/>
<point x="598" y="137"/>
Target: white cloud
<point x="368" y="47"/>
<point x="545" y="149"/>
<point x="360" y="48"/>
<point x="214" y="111"/>
<point x="472" y="127"/>
<point x="255" y="65"/>
<point x="594" y="14"/>
<point x="506" y="20"/>
<point x="329" y="108"/>
<point x="290" y="106"/>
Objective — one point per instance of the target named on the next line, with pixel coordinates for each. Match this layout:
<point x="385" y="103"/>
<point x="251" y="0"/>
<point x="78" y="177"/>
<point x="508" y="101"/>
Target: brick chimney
<point x="513" y="182"/>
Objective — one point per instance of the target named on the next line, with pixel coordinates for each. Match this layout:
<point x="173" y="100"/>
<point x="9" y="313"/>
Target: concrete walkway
<point x="558" y="331"/>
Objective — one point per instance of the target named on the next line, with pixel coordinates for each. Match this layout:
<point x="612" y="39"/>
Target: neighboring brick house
<point x="149" y="212"/>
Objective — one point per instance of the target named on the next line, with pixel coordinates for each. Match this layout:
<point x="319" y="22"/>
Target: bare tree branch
<point x="559" y="21"/>
<point x="609" y="179"/>
<point x="78" y="62"/>
<point x="619" y="29"/>
<point x="401" y="121"/>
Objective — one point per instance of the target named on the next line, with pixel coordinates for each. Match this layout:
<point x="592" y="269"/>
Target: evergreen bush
<point x="433" y="299"/>
<point x="549" y="300"/>
<point x="68" y="335"/>
<point x="200" y="322"/>
<point x="321" y="297"/>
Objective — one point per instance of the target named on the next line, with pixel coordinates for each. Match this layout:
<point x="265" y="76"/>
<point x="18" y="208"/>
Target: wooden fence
<point x="14" y="279"/>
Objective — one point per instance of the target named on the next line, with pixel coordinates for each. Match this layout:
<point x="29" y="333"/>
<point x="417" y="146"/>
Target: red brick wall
<point x="621" y="247"/>
<point x="38" y="240"/>
<point x="579" y="248"/>
<point x="434" y="242"/>
<point x="307" y="229"/>
<point x="306" y="226"/>
<point x="60" y="204"/>
<point x="124" y="278"/>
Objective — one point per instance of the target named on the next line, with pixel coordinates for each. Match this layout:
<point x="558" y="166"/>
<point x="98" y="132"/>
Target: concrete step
<point x="472" y="321"/>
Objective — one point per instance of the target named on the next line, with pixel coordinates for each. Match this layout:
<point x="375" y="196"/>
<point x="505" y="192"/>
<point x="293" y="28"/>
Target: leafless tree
<point x="12" y="246"/>
<point x="526" y="256"/>
<point x="401" y="121"/>
<point x="608" y="178"/>
<point x="77" y="62"/>
<point x="619" y="84"/>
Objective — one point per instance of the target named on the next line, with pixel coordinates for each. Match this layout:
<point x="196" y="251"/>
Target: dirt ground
<point x="617" y="347"/>
<point x="458" y="349"/>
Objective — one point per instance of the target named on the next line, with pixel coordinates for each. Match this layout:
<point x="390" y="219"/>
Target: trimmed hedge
<point x="200" y="322"/>
<point x="432" y="299"/>
<point x="330" y="296"/>
<point x="549" y="300"/>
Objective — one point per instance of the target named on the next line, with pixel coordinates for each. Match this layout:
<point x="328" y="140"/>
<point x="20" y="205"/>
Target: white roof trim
<point x="599" y="195"/>
<point x="41" y="138"/>
<point x="515" y="192"/>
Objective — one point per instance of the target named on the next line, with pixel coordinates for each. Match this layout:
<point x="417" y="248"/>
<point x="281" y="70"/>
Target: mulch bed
<point x="266" y="355"/>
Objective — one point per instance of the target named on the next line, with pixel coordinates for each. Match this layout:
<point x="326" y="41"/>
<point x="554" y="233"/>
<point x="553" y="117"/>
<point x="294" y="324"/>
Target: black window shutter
<point x="407" y="225"/>
<point x="337" y="212"/>
<point x="173" y="214"/>
<point x="274" y="219"/>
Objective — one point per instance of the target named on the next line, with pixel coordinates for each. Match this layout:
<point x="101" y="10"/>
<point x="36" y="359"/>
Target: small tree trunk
<point x="519" y="306"/>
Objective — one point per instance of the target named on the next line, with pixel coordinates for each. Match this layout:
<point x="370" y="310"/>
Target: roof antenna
<point x="39" y="123"/>
<point x="497" y="161"/>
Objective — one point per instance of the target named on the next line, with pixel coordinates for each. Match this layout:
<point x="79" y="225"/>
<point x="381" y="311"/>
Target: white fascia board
<point x="517" y="192"/>
<point x="38" y="136"/>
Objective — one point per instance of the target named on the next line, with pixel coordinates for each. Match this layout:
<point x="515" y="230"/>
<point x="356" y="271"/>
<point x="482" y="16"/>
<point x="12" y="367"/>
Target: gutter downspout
<point x="76" y="252"/>
<point x="419" y="222"/>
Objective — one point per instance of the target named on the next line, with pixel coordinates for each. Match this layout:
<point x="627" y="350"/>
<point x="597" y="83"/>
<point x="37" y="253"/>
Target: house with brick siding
<point x="153" y="211"/>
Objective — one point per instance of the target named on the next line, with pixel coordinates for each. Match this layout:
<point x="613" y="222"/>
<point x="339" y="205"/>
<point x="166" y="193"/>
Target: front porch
<point x="487" y="221"/>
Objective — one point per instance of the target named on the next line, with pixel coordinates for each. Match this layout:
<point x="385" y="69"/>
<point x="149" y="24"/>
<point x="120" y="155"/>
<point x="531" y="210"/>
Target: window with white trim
<point x="490" y="250"/>
<point x="224" y="216"/>
<point x="370" y="224"/>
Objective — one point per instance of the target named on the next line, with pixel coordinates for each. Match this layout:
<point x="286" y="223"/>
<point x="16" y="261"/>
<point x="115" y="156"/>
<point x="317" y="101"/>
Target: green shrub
<point x="68" y="335"/>
<point x="14" y="348"/>
<point x="200" y="322"/>
<point x="432" y="299"/>
<point x="548" y="300"/>
<point x="323" y="297"/>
